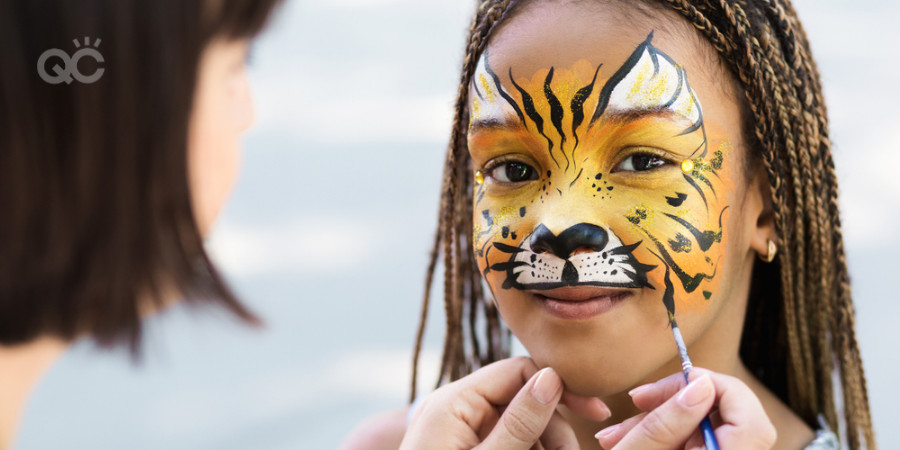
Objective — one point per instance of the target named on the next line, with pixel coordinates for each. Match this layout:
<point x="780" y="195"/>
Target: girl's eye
<point x="513" y="172"/>
<point x="640" y="162"/>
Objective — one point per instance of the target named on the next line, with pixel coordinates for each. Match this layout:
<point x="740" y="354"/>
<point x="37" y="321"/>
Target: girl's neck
<point x="21" y="367"/>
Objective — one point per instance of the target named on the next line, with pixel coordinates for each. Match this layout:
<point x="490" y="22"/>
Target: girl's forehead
<point x="583" y="37"/>
<point x="558" y="34"/>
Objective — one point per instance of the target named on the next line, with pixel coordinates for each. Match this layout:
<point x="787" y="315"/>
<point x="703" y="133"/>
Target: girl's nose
<point x="583" y="236"/>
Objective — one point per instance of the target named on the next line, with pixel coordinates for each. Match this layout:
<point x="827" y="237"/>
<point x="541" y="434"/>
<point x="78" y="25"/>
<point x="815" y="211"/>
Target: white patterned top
<point x="825" y="438"/>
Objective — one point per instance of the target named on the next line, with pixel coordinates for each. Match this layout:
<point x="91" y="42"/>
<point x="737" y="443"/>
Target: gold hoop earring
<point x="772" y="250"/>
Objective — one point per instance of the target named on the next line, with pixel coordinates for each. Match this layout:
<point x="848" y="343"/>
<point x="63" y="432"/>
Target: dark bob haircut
<point x="96" y="222"/>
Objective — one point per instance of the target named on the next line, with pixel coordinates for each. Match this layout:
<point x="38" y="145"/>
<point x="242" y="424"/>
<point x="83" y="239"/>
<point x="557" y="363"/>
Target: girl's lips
<point x="580" y="302"/>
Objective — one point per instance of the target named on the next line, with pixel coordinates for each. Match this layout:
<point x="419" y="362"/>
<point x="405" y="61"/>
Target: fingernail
<point x="695" y="392"/>
<point x="604" y="433"/>
<point x="546" y="386"/>
<point x="606" y="412"/>
<point x="640" y="389"/>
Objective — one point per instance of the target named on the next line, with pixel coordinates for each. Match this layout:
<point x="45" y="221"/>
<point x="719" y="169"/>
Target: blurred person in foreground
<point x="112" y="169"/>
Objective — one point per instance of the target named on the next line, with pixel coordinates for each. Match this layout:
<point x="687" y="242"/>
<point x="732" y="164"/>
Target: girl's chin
<point x="611" y="376"/>
<point x="594" y="387"/>
<point x="581" y="379"/>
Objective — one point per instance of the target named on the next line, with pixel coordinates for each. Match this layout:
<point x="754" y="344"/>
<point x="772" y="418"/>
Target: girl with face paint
<point x="616" y="163"/>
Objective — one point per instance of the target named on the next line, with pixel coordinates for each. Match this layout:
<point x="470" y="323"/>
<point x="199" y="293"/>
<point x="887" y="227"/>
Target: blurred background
<point x="328" y="233"/>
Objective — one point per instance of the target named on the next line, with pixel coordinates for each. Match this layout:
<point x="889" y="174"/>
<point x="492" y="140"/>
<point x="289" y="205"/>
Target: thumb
<point x="527" y="415"/>
<point x="673" y="422"/>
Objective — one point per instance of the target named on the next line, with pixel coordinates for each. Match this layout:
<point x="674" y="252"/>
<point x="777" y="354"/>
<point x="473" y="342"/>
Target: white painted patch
<point x="655" y="82"/>
<point x="594" y="268"/>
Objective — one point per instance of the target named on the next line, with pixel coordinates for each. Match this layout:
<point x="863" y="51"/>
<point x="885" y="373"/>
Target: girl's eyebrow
<point x="632" y="114"/>
<point x="492" y="124"/>
<point x="629" y="115"/>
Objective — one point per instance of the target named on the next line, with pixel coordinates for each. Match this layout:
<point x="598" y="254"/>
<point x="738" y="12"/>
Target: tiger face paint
<point x="644" y="118"/>
<point x="603" y="199"/>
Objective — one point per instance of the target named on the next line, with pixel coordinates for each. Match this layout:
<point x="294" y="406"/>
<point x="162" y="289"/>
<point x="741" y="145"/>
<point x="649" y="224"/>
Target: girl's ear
<point x="764" y="231"/>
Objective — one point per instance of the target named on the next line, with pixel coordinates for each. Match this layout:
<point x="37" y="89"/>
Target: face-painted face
<point x="604" y="193"/>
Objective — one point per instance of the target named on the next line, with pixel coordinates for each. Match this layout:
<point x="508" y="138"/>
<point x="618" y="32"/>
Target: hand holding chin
<point x="509" y="404"/>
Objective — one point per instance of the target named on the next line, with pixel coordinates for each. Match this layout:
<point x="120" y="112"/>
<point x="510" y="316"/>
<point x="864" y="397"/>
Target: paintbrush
<point x="709" y="438"/>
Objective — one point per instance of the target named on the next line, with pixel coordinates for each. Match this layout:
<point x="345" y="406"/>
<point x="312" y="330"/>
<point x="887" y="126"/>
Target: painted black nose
<point x="583" y="235"/>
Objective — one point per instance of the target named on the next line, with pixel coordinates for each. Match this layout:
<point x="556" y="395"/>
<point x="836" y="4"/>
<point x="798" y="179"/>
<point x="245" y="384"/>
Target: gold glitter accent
<point x="476" y="111"/>
<point x="503" y="214"/>
<point x="638" y="84"/>
<point x="725" y="146"/>
<point x="648" y="88"/>
<point x="656" y="91"/>
<point x="563" y="89"/>
<point x="716" y="162"/>
<point x="486" y="88"/>
<point x="639" y="215"/>
<point x="687" y="166"/>
<point x="701" y="165"/>
<point x="479" y="177"/>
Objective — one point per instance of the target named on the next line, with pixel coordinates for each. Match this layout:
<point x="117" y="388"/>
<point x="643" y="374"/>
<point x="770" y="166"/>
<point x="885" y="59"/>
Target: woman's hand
<point x="508" y="404"/>
<point x="673" y="411"/>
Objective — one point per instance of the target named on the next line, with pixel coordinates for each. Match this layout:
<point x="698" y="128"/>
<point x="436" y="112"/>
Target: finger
<point x="559" y="434"/>
<point x="498" y="382"/>
<point x="588" y="407"/>
<point x="526" y="417"/>
<point x="473" y="399"/>
<point x="695" y="442"/>
<point x="450" y="417"/>
<point x="738" y="418"/>
<point x="471" y="403"/>
<point x="610" y="436"/>
<point x="745" y="423"/>
<point x="488" y="423"/>
<point x="649" y="396"/>
<point x="673" y="422"/>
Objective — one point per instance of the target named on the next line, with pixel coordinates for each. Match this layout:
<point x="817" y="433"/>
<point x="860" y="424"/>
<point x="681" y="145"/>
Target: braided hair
<point x="799" y="325"/>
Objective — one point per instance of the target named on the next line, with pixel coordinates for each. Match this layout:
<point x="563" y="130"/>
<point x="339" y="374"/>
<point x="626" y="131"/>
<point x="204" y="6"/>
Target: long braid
<point x="797" y="163"/>
<point x="460" y="276"/>
<point x="853" y="380"/>
<point x="800" y="318"/>
<point x="752" y="74"/>
<point x="450" y="366"/>
<point x="775" y="63"/>
<point x="800" y="64"/>
<point x="423" y="318"/>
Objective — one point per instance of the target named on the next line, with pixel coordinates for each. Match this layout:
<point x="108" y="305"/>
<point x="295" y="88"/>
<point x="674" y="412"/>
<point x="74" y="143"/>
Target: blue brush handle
<point x="708" y="436"/>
